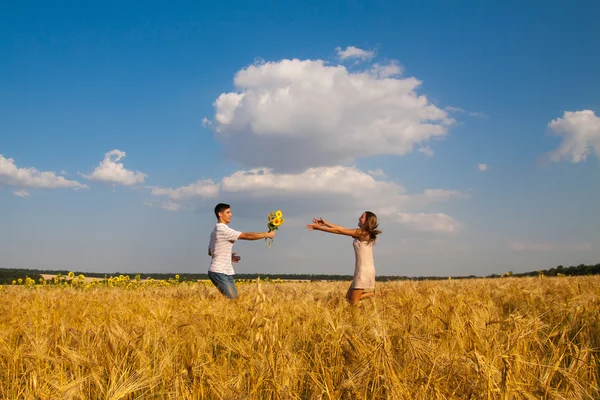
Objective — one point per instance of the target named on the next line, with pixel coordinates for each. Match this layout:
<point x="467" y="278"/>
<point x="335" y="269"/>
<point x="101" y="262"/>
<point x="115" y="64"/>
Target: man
<point x="220" y="249"/>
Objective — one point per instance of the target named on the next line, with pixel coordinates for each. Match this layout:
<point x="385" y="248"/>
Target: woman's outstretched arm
<point x="338" y="230"/>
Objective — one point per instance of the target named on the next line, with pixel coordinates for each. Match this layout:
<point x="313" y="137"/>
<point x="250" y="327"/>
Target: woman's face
<point x="362" y="220"/>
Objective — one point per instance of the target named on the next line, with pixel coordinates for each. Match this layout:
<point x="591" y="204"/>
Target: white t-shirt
<point x="221" y="248"/>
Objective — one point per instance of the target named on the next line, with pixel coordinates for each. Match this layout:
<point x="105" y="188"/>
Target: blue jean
<point x="224" y="283"/>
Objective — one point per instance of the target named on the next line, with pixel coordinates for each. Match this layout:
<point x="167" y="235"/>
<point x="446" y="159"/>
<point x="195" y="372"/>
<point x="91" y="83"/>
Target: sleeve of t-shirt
<point x="230" y="234"/>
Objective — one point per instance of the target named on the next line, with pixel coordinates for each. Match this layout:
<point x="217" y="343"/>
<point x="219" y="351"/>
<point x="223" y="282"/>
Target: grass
<point x="514" y="338"/>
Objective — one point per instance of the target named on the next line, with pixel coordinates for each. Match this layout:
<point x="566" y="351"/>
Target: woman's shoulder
<point x="363" y="237"/>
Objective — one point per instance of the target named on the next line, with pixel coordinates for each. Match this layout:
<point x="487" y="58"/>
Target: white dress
<point x="364" y="267"/>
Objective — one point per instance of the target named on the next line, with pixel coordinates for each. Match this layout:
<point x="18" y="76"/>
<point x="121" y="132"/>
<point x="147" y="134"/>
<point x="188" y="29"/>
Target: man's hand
<point x="319" y="221"/>
<point x="271" y="234"/>
<point x="235" y="258"/>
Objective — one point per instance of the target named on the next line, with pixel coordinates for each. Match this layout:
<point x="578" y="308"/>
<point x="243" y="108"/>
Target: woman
<point x="364" y="239"/>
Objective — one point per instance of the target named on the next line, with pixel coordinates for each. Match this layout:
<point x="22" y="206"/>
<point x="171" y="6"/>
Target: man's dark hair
<point x="221" y="207"/>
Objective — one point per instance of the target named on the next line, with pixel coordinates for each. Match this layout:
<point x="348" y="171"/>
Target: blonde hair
<point x="369" y="229"/>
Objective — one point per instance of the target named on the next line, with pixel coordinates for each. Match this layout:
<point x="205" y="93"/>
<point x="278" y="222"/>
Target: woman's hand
<point x="322" y="222"/>
<point x="312" y="227"/>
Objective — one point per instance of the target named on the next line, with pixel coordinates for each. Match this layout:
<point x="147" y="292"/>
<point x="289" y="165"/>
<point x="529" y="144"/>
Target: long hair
<point x="370" y="227"/>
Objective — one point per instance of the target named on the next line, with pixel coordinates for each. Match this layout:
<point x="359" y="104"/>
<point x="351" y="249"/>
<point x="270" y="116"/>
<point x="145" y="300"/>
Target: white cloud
<point x="21" y="193"/>
<point x="426" y="150"/>
<point x="206" y="122"/>
<point x="170" y="206"/>
<point x="477" y="114"/>
<point x="294" y="114"/>
<point x="463" y="111"/>
<point x="529" y="246"/>
<point x="28" y="177"/>
<point x="580" y="132"/>
<point x="110" y="170"/>
<point x="377" y="173"/>
<point x="426" y="222"/>
<point x="482" y="167"/>
<point x="345" y="185"/>
<point x="200" y="189"/>
<point x="337" y="180"/>
<point x="386" y="71"/>
<point x="354" y="52"/>
<point x="326" y="189"/>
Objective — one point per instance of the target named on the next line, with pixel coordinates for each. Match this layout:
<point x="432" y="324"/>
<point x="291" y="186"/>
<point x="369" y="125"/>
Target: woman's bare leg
<point x="366" y="295"/>
<point x="349" y="293"/>
<point x="355" y="295"/>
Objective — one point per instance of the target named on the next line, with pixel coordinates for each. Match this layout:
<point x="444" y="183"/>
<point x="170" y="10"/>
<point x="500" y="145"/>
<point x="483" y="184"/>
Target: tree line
<point x="8" y="275"/>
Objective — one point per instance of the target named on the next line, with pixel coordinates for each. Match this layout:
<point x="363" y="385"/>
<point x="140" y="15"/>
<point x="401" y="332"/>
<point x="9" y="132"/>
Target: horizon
<point x="348" y="276"/>
<point x="473" y="133"/>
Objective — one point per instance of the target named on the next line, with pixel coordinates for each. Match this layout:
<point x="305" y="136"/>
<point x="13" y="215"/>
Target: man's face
<point x="226" y="216"/>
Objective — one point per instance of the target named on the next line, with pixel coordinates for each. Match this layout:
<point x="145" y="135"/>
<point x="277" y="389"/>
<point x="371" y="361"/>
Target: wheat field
<point x="509" y="338"/>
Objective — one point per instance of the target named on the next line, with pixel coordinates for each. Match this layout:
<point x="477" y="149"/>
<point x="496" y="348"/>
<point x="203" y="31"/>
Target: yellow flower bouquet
<point x="275" y="221"/>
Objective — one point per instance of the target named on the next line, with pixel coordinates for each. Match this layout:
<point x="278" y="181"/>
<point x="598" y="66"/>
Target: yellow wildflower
<point x="275" y="220"/>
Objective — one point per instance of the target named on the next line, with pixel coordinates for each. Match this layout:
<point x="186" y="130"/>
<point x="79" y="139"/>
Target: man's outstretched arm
<point x="256" y="235"/>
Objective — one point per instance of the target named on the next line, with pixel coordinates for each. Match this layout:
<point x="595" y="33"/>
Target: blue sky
<point x="471" y="130"/>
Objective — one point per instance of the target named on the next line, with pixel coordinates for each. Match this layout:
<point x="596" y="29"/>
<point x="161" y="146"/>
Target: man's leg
<point x="232" y="288"/>
<point x="223" y="283"/>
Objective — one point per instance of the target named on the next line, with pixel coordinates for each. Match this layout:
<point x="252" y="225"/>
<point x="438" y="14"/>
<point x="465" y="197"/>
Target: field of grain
<point x="509" y="338"/>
